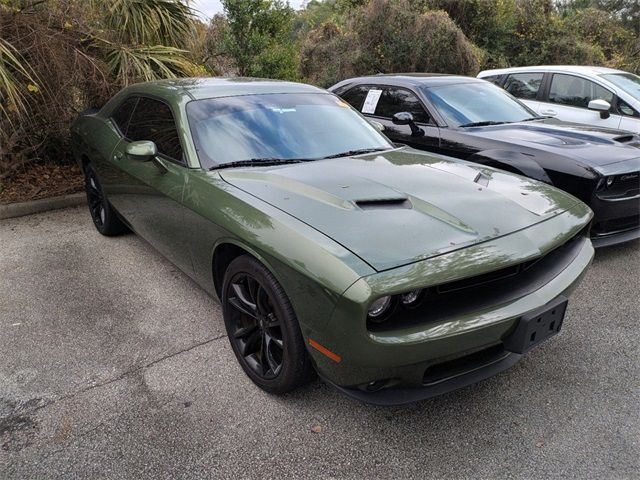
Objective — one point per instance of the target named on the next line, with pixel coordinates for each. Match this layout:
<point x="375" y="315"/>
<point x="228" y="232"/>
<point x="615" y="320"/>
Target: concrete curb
<point x="43" y="205"/>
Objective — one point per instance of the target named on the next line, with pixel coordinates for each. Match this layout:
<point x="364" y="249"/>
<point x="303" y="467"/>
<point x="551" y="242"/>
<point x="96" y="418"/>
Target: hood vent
<point x="394" y="203"/>
<point x="625" y="138"/>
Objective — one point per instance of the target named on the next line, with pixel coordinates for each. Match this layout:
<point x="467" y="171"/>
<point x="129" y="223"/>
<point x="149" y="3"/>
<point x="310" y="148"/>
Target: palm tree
<point x="59" y="56"/>
<point x="147" y="38"/>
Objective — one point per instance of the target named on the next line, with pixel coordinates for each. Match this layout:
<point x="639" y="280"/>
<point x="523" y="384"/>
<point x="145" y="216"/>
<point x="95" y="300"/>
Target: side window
<point x="355" y="96"/>
<point x="524" y="85"/>
<point x="153" y="120"/>
<point x="495" y="79"/>
<point x="625" y="109"/>
<point x="576" y="91"/>
<point x="394" y="100"/>
<point x="122" y="114"/>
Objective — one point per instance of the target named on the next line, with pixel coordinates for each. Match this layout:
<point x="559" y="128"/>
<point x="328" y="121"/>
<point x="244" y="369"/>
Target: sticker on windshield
<point x="282" y="110"/>
<point x="371" y="102"/>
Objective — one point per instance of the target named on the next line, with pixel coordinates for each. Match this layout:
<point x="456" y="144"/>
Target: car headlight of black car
<point x="619" y="185"/>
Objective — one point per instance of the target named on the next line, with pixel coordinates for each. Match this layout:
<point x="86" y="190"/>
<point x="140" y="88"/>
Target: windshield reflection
<point x="278" y="126"/>
<point x="468" y="103"/>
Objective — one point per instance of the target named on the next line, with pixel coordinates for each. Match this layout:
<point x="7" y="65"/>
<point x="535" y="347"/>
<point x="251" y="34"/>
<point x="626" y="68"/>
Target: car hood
<point x="403" y="205"/>
<point x="595" y="146"/>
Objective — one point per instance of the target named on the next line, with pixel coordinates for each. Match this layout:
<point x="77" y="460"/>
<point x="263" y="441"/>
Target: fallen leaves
<point x="36" y="181"/>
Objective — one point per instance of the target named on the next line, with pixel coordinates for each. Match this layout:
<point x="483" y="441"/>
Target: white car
<point x="590" y="95"/>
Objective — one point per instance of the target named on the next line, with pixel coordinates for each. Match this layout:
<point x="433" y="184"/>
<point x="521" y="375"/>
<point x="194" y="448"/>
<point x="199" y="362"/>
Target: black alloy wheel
<point x="102" y="213"/>
<point x="262" y="327"/>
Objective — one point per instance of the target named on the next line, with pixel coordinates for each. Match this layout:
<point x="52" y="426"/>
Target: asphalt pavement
<point x="114" y="364"/>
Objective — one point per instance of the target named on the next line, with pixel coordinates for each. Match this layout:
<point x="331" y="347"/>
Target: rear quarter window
<point x="495" y="79"/>
<point x="524" y="85"/>
<point x="355" y="96"/>
<point x="122" y="114"/>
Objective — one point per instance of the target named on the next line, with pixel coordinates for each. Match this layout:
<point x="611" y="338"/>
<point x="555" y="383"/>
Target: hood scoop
<point x="632" y="140"/>
<point x="384" y="203"/>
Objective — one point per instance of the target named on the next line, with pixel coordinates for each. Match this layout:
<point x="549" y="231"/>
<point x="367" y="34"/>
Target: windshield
<point x="469" y="103"/>
<point x="628" y="82"/>
<point x="278" y="127"/>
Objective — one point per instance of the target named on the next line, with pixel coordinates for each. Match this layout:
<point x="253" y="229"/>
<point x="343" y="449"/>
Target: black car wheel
<point x="262" y="327"/>
<point x="102" y="213"/>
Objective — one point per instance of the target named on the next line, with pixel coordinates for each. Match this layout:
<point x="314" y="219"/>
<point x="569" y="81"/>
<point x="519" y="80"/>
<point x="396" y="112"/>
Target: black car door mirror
<point x="142" y="151"/>
<point x="601" y="106"/>
<point x="402" y="118"/>
<point x="406" y="118"/>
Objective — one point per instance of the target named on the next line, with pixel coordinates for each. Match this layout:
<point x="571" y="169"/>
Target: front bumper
<point x="615" y="220"/>
<point x="396" y="367"/>
<point x="401" y="396"/>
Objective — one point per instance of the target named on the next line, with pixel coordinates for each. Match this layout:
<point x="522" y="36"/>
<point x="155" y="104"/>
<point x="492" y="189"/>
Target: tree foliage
<point x="257" y="37"/>
<point x="384" y="36"/>
<point x="58" y="57"/>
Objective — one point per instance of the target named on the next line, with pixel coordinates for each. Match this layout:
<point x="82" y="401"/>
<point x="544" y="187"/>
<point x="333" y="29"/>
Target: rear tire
<point x="263" y="329"/>
<point x="102" y="213"/>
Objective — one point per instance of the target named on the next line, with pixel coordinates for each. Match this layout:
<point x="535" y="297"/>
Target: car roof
<point x="412" y="79"/>
<point x="213" y="87"/>
<point x="593" y="70"/>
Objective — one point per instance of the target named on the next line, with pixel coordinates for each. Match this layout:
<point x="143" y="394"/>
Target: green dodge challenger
<point x="392" y="273"/>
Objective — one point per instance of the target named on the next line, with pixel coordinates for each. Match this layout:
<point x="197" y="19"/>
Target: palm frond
<point x="149" y="22"/>
<point x="15" y="74"/>
<point x="130" y="64"/>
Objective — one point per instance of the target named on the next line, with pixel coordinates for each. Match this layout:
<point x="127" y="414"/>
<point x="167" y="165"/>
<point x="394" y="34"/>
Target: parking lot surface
<point x="114" y="364"/>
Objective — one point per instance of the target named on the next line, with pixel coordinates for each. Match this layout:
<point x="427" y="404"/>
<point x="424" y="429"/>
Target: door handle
<point x="552" y="113"/>
<point x="118" y="156"/>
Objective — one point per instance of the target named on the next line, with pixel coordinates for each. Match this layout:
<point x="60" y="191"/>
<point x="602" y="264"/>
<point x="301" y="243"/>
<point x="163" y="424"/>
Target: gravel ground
<point x="113" y="364"/>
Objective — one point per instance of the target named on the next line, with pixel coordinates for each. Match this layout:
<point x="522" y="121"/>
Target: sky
<point x="208" y="8"/>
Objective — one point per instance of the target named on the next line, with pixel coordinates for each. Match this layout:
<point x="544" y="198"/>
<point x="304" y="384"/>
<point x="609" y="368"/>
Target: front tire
<point x="102" y="213"/>
<point x="262" y="327"/>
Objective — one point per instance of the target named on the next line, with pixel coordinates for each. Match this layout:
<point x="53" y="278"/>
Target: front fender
<point x="512" y="161"/>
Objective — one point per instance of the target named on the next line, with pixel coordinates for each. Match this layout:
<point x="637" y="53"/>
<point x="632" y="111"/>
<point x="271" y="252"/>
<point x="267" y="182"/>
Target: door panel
<point x="148" y="194"/>
<point x="150" y="199"/>
<point x="430" y="141"/>
<point x="630" y="123"/>
<point x="532" y="104"/>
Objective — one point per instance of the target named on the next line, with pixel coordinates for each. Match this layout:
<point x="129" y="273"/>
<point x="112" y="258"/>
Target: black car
<point x="474" y="120"/>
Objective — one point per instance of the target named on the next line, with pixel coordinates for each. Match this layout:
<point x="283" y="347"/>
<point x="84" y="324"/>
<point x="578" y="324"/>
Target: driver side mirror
<point x="406" y="118"/>
<point x="601" y="106"/>
<point x="142" y="151"/>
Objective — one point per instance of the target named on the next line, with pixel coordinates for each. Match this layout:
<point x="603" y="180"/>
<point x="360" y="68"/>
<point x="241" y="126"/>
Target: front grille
<point x="459" y="366"/>
<point x="616" y="225"/>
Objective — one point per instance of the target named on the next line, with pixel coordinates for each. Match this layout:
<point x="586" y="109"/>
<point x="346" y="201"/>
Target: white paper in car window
<point x="371" y="102"/>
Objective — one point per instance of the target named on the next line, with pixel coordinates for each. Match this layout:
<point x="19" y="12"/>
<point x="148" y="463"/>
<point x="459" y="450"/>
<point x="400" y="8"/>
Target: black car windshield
<point x="273" y="127"/>
<point x="628" y="82"/>
<point x="466" y="104"/>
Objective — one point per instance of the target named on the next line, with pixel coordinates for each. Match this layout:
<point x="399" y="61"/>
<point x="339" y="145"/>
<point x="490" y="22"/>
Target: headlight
<point x="410" y="298"/>
<point x="378" y="308"/>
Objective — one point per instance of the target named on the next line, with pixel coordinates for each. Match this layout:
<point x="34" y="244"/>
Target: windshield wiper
<point x="261" y="162"/>
<point x="542" y="117"/>
<point x="482" y="124"/>
<point x="350" y="153"/>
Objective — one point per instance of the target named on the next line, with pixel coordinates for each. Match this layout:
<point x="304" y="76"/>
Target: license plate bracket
<point x="537" y="326"/>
